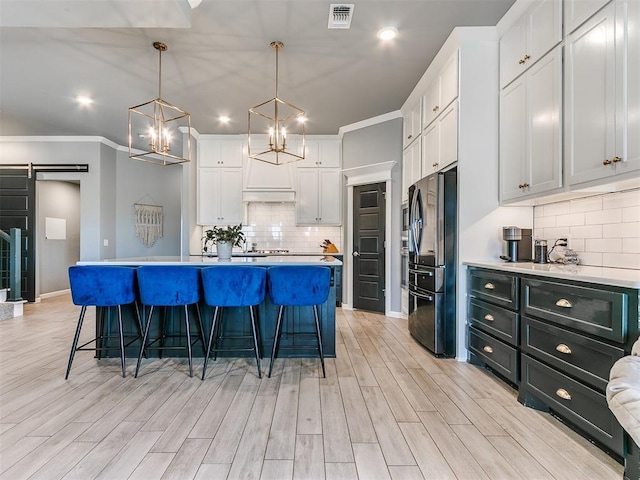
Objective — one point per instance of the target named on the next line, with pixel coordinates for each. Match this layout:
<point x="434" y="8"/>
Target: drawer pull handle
<point x="487" y="349"/>
<point x="563" y="394"/>
<point x="564" y="303"/>
<point x="562" y="348"/>
<point x="489" y="286"/>
<point x="488" y="317"/>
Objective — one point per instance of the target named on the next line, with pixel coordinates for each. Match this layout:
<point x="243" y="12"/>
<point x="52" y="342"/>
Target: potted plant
<point x="224" y="238"/>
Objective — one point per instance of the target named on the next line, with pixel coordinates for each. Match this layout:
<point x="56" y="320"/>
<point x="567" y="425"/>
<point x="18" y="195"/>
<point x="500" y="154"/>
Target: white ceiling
<point x="220" y="65"/>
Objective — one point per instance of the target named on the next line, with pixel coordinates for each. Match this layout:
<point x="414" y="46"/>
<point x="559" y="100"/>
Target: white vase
<point x="224" y="250"/>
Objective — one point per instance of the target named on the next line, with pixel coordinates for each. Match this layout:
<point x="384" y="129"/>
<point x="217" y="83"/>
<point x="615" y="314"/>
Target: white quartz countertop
<point x="621" y="277"/>
<point x="196" y="260"/>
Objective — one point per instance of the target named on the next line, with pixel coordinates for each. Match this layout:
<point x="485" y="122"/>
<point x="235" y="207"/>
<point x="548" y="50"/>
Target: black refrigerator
<point x="432" y="261"/>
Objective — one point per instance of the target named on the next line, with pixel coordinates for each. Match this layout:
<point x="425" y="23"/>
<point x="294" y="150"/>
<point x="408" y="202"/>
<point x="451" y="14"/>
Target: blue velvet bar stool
<point x="169" y="286"/>
<point x="102" y="286"/>
<point x="299" y="286"/>
<point x="233" y="286"/>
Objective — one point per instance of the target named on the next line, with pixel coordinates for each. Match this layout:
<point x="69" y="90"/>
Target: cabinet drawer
<point x="579" y="356"/>
<point x="586" y="408"/>
<point x="592" y="310"/>
<point x="496" y="354"/>
<point x="497" y="321"/>
<point x="498" y="288"/>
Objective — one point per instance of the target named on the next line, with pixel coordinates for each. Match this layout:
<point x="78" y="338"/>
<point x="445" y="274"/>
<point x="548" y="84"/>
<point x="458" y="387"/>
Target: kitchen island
<point x="236" y="320"/>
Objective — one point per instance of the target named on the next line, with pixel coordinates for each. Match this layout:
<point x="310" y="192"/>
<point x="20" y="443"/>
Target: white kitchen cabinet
<point x="411" y="172"/>
<point x="321" y="153"/>
<point x="598" y="146"/>
<point x="442" y="90"/>
<point x="576" y="12"/>
<point x="218" y="153"/>
<point x="632" y="133"/>
<point x="318" y="199"/>
<point x="411" y="123"/>
<point x="531" y="130"/>
<point x="531" y="37"/>
<point x="440" y="142"/>
<point x="219" y="196"/>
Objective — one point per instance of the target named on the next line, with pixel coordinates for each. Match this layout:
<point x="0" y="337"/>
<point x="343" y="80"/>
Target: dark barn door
<point x="368" y="247"/>
<point x="17" y="210"/>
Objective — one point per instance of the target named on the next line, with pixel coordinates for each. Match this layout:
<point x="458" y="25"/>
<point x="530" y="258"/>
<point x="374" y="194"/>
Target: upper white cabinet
<point x="442" y="90"/>
<point x="412" y="125"/>
<point x="531" y="130"/>
<point x="577" y="11"/>
<point x="260" y="175"/>
<point x="440" y="141"/>
<point x="599" y="131"/>
<point x="410" y="168"/>
<point x="319" y="196"/>
<point x="219" y="196"/>
<point x="218" y="153"/>
<point x="321" y="153"/>
<point x="527" y="40"/>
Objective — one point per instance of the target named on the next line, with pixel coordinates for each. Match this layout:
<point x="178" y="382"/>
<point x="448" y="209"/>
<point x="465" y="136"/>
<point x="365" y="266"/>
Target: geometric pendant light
<point x="156" y="128"/>
<point x="276" y="128"/>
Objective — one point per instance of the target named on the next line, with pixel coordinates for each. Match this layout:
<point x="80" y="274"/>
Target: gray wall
<point x="140" y="182"/>
<point x="112" y="184"/>
<point x="376" y="144"/>
<point x="58" y="200"/>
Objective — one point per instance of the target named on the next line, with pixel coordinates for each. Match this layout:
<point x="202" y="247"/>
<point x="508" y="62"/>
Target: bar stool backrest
<point x="102" y="286"/>
<point x="228" y="286"/>
<point x="298" y="285"/>
<point x="169" y="286"/>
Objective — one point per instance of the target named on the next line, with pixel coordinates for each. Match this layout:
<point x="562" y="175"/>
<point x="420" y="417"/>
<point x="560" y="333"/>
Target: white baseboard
<point x="394" y="314"/>
<point x="55" y="294"/>
<point x="346" y="306"/>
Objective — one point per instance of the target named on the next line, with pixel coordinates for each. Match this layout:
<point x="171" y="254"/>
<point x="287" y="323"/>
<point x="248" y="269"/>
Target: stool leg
<point x="163" y="332"/>
<point x="186" y="323"/>
<point x="124" y="374"/>
<point x="315" y="315"/>
<point x="202" y="339"/>
<point x="214" y="320"/>
<point x="255" y="339"/>
<point x="143" y="344"/>
<point x="276" y="339"/>
<point x="75" y="340"/>
<point x="218" y="333"/>
<point x="139" y="322"/>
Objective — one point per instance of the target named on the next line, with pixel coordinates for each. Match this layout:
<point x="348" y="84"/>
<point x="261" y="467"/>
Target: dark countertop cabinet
<point x="564" y="336"/>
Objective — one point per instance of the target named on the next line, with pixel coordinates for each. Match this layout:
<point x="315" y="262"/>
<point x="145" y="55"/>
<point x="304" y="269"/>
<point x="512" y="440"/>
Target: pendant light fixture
<point x="156" y="128"/>
<point x="276" y="128"/>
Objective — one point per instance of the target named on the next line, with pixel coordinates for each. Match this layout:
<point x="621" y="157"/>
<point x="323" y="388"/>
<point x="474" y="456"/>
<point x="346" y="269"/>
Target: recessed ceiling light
<point x="388" y="33"/>
<point x="83" y="100"/>
<point x="224" y="119"/>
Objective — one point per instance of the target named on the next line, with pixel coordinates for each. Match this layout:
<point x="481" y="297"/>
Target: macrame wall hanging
<point x="148" y="223"/>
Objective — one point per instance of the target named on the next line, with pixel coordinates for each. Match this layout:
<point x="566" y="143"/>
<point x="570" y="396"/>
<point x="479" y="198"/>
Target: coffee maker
<point x="518" y="244"/>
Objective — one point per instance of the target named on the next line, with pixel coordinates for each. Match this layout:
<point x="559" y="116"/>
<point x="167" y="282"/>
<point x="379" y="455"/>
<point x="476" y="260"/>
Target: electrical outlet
<point x="105" y="242"/>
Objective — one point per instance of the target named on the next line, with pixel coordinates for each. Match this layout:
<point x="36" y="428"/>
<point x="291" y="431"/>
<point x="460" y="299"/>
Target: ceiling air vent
<point x="340" y="15"/>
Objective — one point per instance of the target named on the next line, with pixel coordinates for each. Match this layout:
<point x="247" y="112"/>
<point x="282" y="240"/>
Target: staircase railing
<point x="10" y="267"/>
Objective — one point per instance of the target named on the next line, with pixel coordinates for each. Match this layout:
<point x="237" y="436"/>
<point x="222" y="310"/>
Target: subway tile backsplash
<point x="273" y="225"/>
<point x="603" y="229"/>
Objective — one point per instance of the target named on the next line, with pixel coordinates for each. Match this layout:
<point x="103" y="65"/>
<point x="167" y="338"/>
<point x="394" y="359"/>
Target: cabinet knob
<point x="488" y="317"/>
<point x="521" y="186"/>
<point x="434" y="164"/>
<point x="487" y="349"/>
<point x="564" y="303"/>
<point x="435" y="109"/>
<point x="563" y="394"/>
<point x="489" y="286"/>
<point x="616" y="159"/>
<point x="409" y="136"/>
<point x="607" y="162"/>
<point x="562" y="348"/>
<point x="524" y="59"/>
<point x="525" y="185"/>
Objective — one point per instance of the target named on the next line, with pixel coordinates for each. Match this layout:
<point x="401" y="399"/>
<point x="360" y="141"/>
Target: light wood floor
<point x="387" y="410"/>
